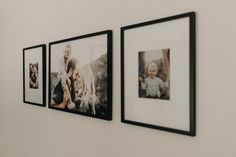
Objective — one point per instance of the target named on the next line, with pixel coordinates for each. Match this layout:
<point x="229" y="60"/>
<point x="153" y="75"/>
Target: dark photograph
<point x="33" y="76"/>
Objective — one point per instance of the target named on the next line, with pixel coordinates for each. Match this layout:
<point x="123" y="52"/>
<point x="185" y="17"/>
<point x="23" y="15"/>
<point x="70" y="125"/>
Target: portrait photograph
<point x="80" y="73"/>
<point x="154" y="77"/>
<point x="34" y="75"/>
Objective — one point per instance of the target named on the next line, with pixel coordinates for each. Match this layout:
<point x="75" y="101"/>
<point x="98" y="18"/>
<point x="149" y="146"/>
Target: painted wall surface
<point x="31" y="131"/>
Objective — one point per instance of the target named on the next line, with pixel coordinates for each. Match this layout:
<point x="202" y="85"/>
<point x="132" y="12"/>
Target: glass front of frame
<point x="34" y="75"/>
<point x="158" y="74"/>
<point x="80" y="75"/>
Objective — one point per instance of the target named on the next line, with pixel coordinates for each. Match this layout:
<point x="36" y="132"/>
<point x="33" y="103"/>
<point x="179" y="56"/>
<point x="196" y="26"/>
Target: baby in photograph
<point x="153" y="84"/>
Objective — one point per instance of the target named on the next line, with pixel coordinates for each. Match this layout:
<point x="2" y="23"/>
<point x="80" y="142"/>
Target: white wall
<point x="31" y="131"/>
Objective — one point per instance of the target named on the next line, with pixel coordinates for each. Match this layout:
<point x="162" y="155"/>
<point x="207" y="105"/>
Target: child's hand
<point x="140" y="79"/>
<point x="66" y="95"/>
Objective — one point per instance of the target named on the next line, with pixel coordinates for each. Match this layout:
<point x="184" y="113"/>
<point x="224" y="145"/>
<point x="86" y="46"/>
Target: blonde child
<point x="153" y="84"/>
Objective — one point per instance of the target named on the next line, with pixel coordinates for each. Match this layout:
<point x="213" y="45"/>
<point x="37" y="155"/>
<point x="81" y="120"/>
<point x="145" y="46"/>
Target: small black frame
<point x="98" y="46"/>
<point x="190" y="52"/>
<point x="35" y="95"/>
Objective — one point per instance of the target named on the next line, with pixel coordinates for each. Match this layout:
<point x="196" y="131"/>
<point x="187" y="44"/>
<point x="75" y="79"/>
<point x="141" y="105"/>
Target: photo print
<point x="33" y="76"/>
<point x="80" y="81"/>
<point x="154" y="74"/>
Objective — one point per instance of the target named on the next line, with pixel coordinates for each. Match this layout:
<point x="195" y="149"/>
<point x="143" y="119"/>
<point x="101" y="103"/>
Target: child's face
<point x="67" y="54"/>
<point x="152" y="72"/>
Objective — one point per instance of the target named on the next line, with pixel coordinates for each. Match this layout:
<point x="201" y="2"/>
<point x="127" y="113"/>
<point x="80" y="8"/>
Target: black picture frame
<point x="132" y="36"/>
<point x="96" y="45"/>
<point x="34" y="75"/>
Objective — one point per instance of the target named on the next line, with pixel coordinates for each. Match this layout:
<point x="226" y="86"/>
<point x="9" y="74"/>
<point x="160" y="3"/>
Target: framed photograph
<point x="158" y="74"/>
<point x="34" y="75"/>
<point x="80" y="75"/>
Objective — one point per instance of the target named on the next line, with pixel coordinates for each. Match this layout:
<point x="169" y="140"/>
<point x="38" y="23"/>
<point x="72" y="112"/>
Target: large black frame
<point x="43" y="104"/>
<point x="108" y="116"/>
<point x="192" y="115"/>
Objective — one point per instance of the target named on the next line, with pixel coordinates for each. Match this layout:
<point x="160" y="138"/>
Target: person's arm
<point x="66" y="97"/>
<point x="142" y="83"/>
<point x="61" y="69"/>
<point x="35" y="85"/>
<point x="163" y="84"/>
<point x="31" y="83"/>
